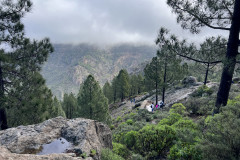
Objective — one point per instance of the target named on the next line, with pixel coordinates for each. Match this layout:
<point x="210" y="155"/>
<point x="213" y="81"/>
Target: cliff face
<point x="69" y="65"/>
<point x="83" y="136"/>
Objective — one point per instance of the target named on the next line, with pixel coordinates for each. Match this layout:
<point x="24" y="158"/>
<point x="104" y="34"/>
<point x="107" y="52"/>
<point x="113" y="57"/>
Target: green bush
<point x="83" y="155"/>
<point x="112" y="127"/>
<point x="154" y="138"/>
<point x="143" y="115"/>
<point x="130" y="139"/>
<point x="200" y="106"/>
<point x="178" y="108"/>
<point x="131" y="115"/>
<point x="121" y="150"/>
<point x="187" y="131"/>
<point x="171" y="119"/>
<point x="129" y="122"/>
<point x="107" y="154"/>
<point x="202" y="90"/>
<point x="185" y="123"/>
<point x="93" y="152"/>
<point x="123" y="128"/>
<point x="182" y="151"/>
<point x="235" y="100"/>
<point x="119" y="119"/>
<point x="221" y="139"/>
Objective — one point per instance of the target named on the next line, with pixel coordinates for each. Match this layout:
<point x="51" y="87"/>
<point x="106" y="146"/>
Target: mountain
<point x="69" y="65"/>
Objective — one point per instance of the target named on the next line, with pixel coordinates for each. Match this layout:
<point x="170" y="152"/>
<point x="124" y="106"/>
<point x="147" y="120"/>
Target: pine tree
<point x="133" y="84"/>
<point x="140" y="84"/>
<point x="123" y="88"/>
<point x="57" y="109"/>
<point x="211" y="50"/>
<point x="108" y="92"/>
<point x="32" y="102"/>
<point x="70" y="105"/>
<point x="171" y="68"/>
<point x="153" y="75"/>
<point x="114" y="88"/>
<point x="23" y="59"/>
<point x="215" y="14"/>
<point x="92" y="102"/>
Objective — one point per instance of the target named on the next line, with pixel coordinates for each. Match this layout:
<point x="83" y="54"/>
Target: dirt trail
<point x="172" y="96"/>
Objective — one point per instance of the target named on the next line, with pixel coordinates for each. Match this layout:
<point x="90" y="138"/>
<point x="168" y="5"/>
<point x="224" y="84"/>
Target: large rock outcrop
<point x="84" y="135"/>
<point x="190" y="80"/>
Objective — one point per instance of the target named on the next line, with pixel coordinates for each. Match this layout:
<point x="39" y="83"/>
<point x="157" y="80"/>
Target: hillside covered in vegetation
<point x="178" y="100"/>
<point x="69" y="65"/>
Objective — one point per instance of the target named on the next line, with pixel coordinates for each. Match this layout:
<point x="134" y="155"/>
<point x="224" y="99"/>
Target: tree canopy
<point x="20" y="58"/>
<point x="92" y="102"/>
<point x="215" y="14"/>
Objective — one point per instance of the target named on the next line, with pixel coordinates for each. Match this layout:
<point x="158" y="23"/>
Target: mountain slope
<point x="69" y="65"/>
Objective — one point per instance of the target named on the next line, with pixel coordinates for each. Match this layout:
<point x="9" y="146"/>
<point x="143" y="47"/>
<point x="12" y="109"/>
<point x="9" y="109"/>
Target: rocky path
<point x="172" y="96"/>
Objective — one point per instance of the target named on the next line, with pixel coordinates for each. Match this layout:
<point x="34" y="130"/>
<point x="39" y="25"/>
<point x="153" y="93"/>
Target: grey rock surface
<point x="190" y="80"/>
<point x="84" y="134"/>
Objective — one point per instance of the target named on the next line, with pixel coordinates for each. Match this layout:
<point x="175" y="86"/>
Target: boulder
<point x="84" y="135"/>
<point x="190" y="80"/>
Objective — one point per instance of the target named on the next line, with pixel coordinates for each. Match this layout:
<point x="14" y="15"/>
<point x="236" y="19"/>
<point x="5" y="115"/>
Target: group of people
<point x="159" y="105"/>
<point x="132" y="100"/>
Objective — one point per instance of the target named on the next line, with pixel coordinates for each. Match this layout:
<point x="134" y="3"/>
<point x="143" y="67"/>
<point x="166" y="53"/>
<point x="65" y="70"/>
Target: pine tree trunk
<point x="156" y="85"/>
<point x="114" y="95"/>
<point x="206" y="75"/>
<point x="90" y="100"/>
<point x="122" y="97"/>
<point x="164" y="82"/>
<point x="3" y="116"/>
<point x="230" y="59"/>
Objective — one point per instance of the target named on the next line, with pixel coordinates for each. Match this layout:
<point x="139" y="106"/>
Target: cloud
<point x="102" y="21"/>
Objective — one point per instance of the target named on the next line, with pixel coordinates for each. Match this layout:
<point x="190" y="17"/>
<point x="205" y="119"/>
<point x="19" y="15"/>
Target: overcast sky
<point x="103" y="21"/>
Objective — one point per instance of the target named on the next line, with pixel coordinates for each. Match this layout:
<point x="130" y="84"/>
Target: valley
<point x="69" y="65"/>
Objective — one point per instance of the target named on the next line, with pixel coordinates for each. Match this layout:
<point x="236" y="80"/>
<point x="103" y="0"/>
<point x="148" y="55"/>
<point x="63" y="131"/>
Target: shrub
<point x="154" y="138"/>
<point x="234" y="101"/>
<point x="93" y="152"/>
<point x="123" y="128"/>
<point x="112" y="127"/>
<point x="83" y="155"/>
<point x="130" y="139"/>
<point x="200" y="106"/>
<point x="129" y="122"/>
<point x="187" y="131"/>
<point x="178" y="108"/>
<point x="107" y="154"/>
<point x="221" y="139"/>
<point x="121" y="150"/>
<point x="131" y="115"/>
<point x="143" y="115"/>
<point x="171" y="119"/>
<point x="119" y="119"/>
<point x="185" y="123"/>
<point x="202" y="90"/>
<point x="182" y="151"/>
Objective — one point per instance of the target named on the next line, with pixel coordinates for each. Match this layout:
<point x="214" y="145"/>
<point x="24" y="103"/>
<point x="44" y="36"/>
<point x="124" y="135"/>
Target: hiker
<point x="134" y="100"/>
<point x="161" y="104"/>
<point x="152" y="106"/>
